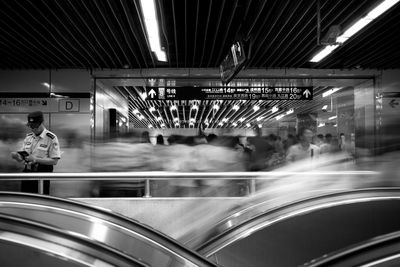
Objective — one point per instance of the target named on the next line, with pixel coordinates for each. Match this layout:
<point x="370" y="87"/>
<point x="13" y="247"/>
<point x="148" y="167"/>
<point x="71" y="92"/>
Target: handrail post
<point x="252" y="186"/>
<point x="40" y="186"/>
<point x="147" y="188"/>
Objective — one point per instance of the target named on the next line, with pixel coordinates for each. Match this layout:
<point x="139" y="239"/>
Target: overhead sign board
<point x="230" y="93"/>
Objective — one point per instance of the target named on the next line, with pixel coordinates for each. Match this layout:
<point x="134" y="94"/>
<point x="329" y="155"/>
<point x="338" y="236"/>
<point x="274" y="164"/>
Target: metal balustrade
<point x="252" y="177"/>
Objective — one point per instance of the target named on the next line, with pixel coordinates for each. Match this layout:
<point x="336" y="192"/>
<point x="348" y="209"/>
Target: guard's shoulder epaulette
<point x="52" y="136"/>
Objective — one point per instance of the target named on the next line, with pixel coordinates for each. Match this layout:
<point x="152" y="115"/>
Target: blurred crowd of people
<point x="202" y="153"/>
<point x="134" y="152"/>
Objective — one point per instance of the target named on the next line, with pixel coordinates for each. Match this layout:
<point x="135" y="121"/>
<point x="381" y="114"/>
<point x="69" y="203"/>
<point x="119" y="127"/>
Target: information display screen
<point x="230" y="93"/>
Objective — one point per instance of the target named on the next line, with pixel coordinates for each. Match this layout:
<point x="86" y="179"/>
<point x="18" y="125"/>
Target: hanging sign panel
<point x="230" y="93"/>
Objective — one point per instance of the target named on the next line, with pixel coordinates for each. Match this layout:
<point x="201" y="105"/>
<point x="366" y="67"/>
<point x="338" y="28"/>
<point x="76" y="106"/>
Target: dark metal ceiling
<point x="39" y="34"/>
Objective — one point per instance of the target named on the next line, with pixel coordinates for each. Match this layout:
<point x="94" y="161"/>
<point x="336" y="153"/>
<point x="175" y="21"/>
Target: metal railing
<point x="154" y="176"/>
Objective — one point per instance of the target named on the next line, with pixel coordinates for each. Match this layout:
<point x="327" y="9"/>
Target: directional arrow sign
<point x="307" y="93"/>
<point x="230" y="93"/>
<point x="393" y="103"/>
<point x="152" y="93"/>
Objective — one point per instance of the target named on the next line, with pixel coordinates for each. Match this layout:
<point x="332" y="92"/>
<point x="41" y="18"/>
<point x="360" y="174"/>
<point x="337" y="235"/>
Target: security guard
<point x="40" y="152"/>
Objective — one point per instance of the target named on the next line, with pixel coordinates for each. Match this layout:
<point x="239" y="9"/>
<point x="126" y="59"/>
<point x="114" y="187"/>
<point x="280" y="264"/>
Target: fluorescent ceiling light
<point x="255" y="108"/>
<point x="323" y="53"/>
<point x="159" y="118"/>
<point x="330" y="91"/>
<point x="220" y="124"/>
<point x="360" y="24"/>
<point x="152" y="109"/>
<point x="325" y="107"/>
<point x="280" y="117"/>
<point x="225" y="119"/>
<point x="381" y="8"/>
<point x="322" y="124"/>
<point x="332" y="118"/>
<point x="242" y="119"/>
<point x="143" y="95"/>
<point x="150" y="126"/>
<point x="192" y="120"/>
<point x="235" y="107"/>
<point x="356" y="27"/>
<point x="153" y="33"/>
<point x="216" y="107"/>
<point x="260" y="125"/>
<point x="141" y="117"/>
<point x="259" y="118"/>
<point x="274" y="109"/>
<point x="248" y="124"/>
<point x="176" y="119"/>
<point x="290" y="111"/>
<point x="162" y="124"/>
<point x="173" y="107"/>
<point x="195" y="107"/>
<point x="176" y="124"/>
<point x="234" y="124"/>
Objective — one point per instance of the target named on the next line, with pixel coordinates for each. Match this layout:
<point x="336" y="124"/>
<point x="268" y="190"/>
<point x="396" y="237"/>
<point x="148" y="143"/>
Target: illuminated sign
<point x="230" y="93"/>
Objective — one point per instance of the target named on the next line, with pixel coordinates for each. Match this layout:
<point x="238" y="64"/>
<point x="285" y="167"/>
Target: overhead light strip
<point x="356" y="27"/>
<point x="153" y="33"/>
<point x="330" y="91"/>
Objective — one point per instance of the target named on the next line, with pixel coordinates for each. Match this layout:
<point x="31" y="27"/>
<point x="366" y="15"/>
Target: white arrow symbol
<point x="307" y="93"/>
<point x="152" y="93"/>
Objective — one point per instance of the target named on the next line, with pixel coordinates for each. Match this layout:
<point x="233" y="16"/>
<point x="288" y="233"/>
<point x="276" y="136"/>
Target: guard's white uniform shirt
<point x="42" y="146"/>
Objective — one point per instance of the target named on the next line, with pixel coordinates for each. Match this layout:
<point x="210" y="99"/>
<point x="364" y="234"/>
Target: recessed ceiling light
<point x="330" y="91"/>
<point x="151" y="23"/>
<point x="274" y="109"/>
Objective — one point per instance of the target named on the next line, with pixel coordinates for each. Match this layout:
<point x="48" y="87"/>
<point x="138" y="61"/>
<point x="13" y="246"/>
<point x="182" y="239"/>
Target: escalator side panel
<point x="301" y="238"/>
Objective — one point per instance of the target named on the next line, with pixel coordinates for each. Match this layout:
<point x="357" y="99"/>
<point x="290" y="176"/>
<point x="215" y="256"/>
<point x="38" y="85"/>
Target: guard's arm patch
<point x="52" y="136"/>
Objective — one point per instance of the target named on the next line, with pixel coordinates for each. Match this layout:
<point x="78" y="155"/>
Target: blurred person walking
<point x="304" y="149"/>
<point x="40" y="152"/>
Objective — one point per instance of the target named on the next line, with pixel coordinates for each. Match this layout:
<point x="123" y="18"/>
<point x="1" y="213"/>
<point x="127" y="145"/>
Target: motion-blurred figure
<point x="304" y="149"/>
<point x="326" y="146"/>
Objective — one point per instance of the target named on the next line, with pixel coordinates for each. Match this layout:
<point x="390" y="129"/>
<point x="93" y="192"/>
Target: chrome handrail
<point x="160" y="175"/>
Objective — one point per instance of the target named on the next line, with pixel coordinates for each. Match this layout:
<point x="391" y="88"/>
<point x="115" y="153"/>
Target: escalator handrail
<point x="153" y="235"/>
<point x="380" y="243"/>
<point x="218" y="240"/>
<point x="51" y="234"/>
